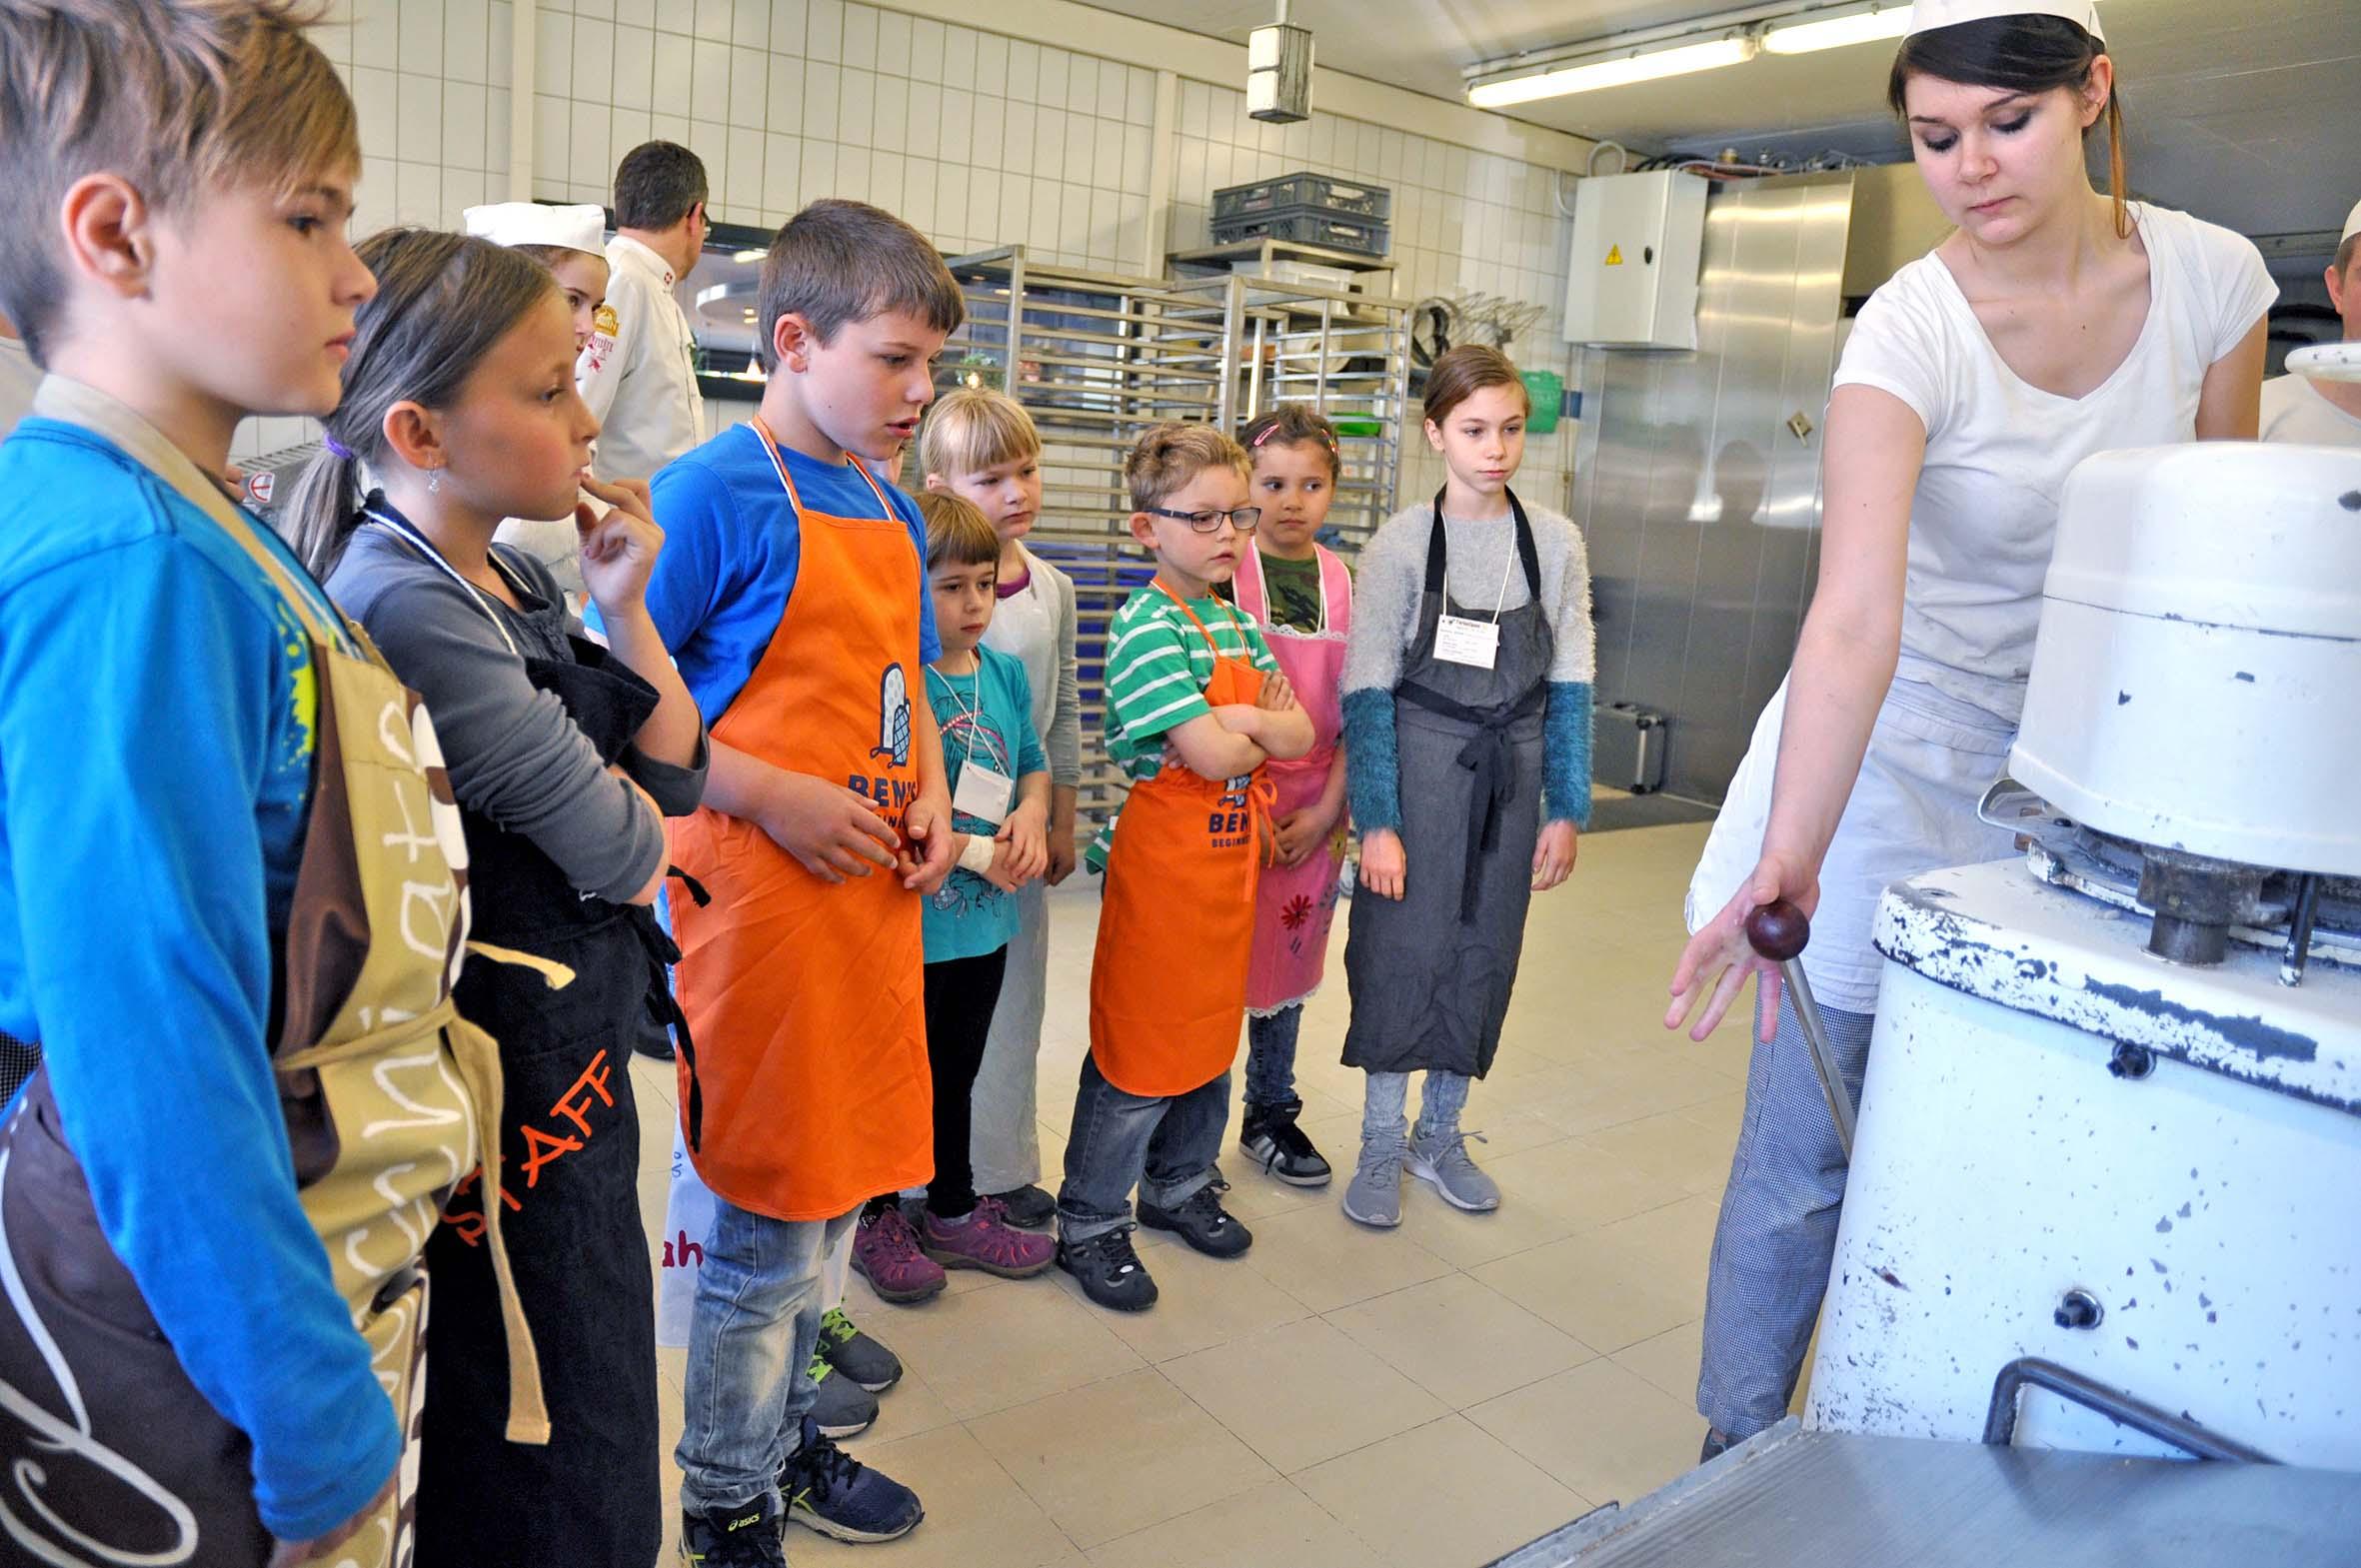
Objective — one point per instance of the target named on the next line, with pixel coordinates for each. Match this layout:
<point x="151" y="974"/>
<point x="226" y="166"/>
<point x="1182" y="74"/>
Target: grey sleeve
<point x="1567" y="596"/>
<point x="676" y="791"/>
<point x="1063" y="742"/>
<point x="1387" y="581"/>
<point x="511" y="750"/>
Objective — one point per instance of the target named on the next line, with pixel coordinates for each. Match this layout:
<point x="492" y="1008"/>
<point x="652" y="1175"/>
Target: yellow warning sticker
<point x="1614" y="256"/>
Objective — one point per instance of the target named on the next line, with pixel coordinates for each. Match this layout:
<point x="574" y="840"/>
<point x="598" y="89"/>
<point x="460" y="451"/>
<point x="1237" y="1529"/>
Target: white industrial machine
<point x="1631" y="275"/>
<point x="2112" y="1115"/>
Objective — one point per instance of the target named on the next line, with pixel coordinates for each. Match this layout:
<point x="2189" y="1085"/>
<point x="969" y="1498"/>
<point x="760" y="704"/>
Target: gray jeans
<point x="1777" y="1234"/>
<point x="1165" y="1147"/>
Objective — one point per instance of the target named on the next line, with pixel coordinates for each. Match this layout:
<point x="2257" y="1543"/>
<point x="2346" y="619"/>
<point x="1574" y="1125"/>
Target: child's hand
<point x="1024" y="838"/>
<point x="1001" y="873"/>
<point x="831" y="833"/>
<point x="928" y="822"/>
<point x="1277" y="695"/>
<point x="1301" y="833"/>
<point x="1062" y="857"/>
<point x="619" y="546"/>
<point x="1384" y="868"/>
<point x="292" y="1554"/>
<point x="1553" y="857"/>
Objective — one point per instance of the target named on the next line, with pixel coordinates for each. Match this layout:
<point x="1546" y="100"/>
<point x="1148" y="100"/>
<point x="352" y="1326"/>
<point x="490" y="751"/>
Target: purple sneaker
<point x="985" y="1240"/>
<point x="886" y="1254"/>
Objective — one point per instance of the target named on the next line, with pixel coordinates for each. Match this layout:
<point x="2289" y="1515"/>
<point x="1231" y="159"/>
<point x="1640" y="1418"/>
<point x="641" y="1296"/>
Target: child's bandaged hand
<point x="618" y="545"/>
<point x="1023" y="844"/>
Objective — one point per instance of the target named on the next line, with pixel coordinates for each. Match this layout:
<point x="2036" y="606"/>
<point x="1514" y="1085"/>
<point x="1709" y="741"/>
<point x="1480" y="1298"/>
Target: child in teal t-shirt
<point x="1000" y="783"/>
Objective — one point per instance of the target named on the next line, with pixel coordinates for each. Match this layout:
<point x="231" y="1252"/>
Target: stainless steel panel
<point x="1697" y="496"/>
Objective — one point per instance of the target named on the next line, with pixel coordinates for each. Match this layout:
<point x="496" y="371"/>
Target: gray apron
<point x="1429" y="975"/>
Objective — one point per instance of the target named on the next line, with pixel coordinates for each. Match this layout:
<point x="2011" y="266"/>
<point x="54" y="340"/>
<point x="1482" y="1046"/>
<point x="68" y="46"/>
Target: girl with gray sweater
<point x="1467" y="751"/>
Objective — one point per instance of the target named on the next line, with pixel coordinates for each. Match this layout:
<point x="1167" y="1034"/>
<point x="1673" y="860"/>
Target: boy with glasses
<point x="1195" y="707"/>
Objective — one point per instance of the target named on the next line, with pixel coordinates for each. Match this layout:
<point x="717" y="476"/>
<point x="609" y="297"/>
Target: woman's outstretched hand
<point x="1718" y="959"/>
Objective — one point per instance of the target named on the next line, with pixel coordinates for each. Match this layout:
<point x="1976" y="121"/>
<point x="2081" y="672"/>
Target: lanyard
<point x="407" y="532"/>
<point x="972" y="714"/>
<point x="1498" y="604"/>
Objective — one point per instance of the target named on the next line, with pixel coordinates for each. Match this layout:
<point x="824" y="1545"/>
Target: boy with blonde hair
<point x="1196" y="706"/>
<point x="214" y="1191"/>
<point x="981" y="446"/>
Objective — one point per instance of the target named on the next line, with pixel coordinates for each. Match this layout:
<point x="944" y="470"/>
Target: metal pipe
<point x="1779" y="931"/>
<point x="2299" y="931"/>
<point x="2000" y="1419"/>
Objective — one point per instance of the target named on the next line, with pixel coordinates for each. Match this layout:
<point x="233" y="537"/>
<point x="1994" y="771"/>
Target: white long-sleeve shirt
<point x="642" y="381"/>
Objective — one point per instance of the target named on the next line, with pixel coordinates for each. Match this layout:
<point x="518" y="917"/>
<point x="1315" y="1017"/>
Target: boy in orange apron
<point x="1195" y="708"/>
<point x="792" y="591"/>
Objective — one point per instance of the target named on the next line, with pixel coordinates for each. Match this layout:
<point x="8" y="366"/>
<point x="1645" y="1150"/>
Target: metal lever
<point x="1779" y="931"/>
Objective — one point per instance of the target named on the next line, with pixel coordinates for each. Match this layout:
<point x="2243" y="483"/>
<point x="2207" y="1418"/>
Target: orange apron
<point x="1176" y="925"/>
<point x="809" y="1092"/>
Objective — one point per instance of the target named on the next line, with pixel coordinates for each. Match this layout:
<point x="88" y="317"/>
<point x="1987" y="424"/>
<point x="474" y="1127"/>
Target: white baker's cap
<point x="2352" y="225"/>
<point x="1926" y="15"/>
<point x="581" y="228"/>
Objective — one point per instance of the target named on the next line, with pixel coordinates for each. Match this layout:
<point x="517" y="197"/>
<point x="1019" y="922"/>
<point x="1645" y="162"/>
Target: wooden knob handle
<point x="1778" y="931"/>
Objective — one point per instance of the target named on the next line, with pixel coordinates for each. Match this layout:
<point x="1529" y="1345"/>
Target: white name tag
<point x="984" y="792"/>
<point x="1461" y="640"/>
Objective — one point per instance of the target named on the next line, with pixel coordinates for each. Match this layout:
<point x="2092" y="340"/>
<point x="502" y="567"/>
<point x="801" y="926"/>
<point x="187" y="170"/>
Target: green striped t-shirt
<point x="1157" y="669"/>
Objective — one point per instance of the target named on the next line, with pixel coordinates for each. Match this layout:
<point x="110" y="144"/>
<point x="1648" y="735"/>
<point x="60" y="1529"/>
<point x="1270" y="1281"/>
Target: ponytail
<point x="442" y="301"/>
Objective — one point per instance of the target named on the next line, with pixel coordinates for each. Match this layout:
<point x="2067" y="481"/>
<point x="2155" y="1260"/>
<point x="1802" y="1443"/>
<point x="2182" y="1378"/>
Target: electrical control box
<point x="1631" y="282"/>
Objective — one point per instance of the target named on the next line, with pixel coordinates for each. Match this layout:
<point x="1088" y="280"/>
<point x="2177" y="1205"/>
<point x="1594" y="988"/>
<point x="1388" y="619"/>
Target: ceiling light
<point x="1614" y="70"/>
<point x="1862" y="27"/>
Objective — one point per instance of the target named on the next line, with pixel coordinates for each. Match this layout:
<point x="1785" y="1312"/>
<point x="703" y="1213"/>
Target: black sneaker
<point x="1030" y="1208"/>
<point x="830" y="1491"/>
<point x="1717" y="1443"/>
<point x="743" y="1537"/>
<point x="1109" y="1271"/>
<point x="1280" y="1146"/>
<point x="1202" y="1221"/>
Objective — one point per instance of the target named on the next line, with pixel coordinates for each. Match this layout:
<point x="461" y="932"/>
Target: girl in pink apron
<point x="1302" y="595"/>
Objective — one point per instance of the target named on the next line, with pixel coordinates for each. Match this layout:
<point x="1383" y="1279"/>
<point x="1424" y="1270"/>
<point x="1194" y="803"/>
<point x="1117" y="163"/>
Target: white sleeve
<point x="1899" y="346"/>
<point x="2239" y="287"/>
<point x="599" y="376"/>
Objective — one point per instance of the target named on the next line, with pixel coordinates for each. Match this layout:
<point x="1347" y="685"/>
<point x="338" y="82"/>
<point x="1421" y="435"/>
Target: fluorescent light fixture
<point x="1862" y="27"/>
<point x="1614" y="70"/>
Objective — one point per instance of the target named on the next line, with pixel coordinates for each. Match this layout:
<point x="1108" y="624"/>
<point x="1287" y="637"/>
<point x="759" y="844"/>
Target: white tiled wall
<point x="976" y="138"/>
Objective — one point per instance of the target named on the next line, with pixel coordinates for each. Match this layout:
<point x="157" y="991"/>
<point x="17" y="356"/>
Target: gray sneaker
<point x="1375" y="1196"/>
<point x="1445" y="1161"/>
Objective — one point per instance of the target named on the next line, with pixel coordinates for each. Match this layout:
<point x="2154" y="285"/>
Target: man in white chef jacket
<point x="2324" y="413"/>
<point x="639" y="373"/>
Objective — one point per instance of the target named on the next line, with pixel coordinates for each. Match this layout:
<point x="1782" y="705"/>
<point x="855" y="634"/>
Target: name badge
<point x="984" y="792"/>
<point x="1461" y="640"/>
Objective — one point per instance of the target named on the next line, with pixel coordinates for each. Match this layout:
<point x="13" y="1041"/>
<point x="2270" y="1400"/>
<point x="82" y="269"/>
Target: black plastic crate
<point x="1308" y="226"/>
<point x="1317" y="192"/>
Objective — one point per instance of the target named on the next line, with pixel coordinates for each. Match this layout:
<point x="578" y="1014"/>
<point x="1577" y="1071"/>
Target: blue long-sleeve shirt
<point x="157" y="711"/>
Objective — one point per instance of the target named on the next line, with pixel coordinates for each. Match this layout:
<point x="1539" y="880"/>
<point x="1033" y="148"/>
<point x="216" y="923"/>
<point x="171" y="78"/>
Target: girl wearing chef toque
<point x="2054" y="323"/>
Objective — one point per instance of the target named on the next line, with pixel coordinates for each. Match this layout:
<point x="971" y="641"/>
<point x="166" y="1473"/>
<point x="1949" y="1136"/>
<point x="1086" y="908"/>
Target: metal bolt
<point x="2132" y="1062"/>
<point x="2078" y="1309"/>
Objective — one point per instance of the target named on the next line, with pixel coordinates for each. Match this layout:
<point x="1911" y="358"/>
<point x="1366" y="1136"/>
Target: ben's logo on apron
<point x="893" y="716"/>
<point x="1232" y="822"/>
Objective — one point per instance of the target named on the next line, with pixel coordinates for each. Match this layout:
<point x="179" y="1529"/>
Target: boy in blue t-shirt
<point x="1000" y="814"/>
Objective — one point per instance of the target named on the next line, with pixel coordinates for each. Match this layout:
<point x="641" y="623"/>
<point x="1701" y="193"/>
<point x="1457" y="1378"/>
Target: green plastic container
<point x="1547" y="390"/>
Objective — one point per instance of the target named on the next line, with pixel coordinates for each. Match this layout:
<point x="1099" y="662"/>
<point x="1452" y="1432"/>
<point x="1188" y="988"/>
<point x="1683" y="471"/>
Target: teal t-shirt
<point x="986" y="715"/>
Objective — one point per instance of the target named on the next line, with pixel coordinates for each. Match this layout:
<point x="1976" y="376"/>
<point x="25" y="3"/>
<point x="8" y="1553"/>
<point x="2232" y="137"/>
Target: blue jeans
<point x="1388" y="1102"/>
<point x="1270" y="1057"/>
<point x="1165" y="1147"/>
<point x="1777" y="1236"/>
<point x="751" y="1336"/>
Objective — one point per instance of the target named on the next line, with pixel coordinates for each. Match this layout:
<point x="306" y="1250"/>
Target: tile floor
<point x="1338" y="1398"/>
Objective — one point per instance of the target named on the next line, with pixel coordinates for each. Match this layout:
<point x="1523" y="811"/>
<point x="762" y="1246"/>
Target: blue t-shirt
<point x="157" y="725"/>
<point x="730" y="548"/>
<point x="986" y="715"/>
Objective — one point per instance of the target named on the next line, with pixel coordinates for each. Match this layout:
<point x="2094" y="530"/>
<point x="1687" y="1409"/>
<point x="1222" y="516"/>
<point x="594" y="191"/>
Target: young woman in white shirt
<point x="2056" y="322"/>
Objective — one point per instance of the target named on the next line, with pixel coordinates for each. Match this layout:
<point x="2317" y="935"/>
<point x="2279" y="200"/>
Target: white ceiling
<point x="2246" y="112"/>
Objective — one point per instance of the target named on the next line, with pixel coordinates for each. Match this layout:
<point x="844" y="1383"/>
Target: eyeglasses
<point x="1244" y="518"/>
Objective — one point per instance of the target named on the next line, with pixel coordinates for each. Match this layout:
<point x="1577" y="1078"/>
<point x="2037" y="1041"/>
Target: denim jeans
<point x="752" y="1332"/>
<point x="1166" y="1147"/>
<point x="1271" y="1056"/>
<point x="1381" y="1115"/>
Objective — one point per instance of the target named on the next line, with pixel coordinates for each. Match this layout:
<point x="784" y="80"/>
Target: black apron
<point x="570" y="1142"/>
<point x="1429" y="975"/>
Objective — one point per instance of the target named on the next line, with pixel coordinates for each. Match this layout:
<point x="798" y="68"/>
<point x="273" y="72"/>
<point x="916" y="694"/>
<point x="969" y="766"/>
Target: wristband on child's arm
<point x="976" y="855"/>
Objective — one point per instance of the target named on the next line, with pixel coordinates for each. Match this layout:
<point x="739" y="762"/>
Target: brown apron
<point x="390" y="1099"/>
